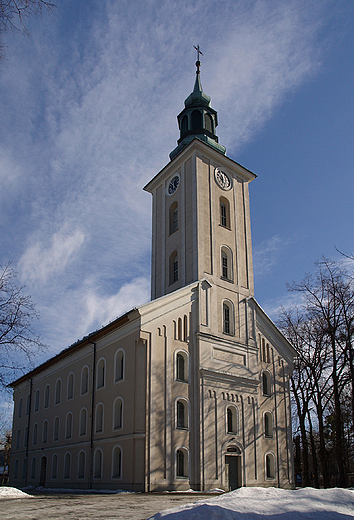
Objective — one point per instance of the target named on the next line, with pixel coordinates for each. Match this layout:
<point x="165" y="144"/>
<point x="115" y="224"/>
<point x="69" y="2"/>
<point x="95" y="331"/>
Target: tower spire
<point x="198" y="119"/>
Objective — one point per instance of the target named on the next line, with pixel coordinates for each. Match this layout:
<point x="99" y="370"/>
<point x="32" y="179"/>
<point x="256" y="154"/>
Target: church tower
<point x="201" y="217"/>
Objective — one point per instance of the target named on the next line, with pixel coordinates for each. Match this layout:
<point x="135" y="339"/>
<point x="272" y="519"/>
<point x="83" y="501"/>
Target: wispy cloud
<point x="268" y="254"/>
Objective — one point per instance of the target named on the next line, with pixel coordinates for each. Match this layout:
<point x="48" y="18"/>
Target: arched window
<point x="67" y="464"/>
<point x="266" y="380"/>
<point x="81" y="465"/>
<point x="208" y="123"/>
<point x="45" y="432"/>
<point x="35" y="434"/>
<point x="24" y="469"/>
<point x="184" y="125"/>
<point x="182" y="366"/>
<point x="97" y="473"/>
<point x="227" y="314"/>
<point x="16" y="469"/>
<point x="46" y="396"/>
<point x="101" y="373"/>
<point x="268" y="425"/>
<point x="181" y="463"/>
<point x="119" y="365"/>
<point x="182" y="413"/>
<point x="70" y="389"/>
<point x="58" y="391"/>
<point x="224" y="212"/>
<point x="18" y="437"/>
<point x="270" y="466"/>
<point x="263" y="351"/>
<point x="180" y="337"/>
<point x="117" y="462"/>
<point x="173" y="217"/>
<point x="55" y="466"/>
<point x="185" y="328"/>
<point x="69" y="426"/>
<point x="118" y="414"/>
<point x="268" y="353"/>
<point x="197" y="120"/>
<point x="231" y="417"/>
<point x="83" y="421"/>
<point x="20" y="404"/>
<point x="99" y="418"/>
<point x="36" y="401"/>
<point x="173" y="267"/>
<point x="28" y="404"/>
<point x="226" y="263"/>
<point x="33" y="467"/>
<point x="56" y="429"/>
<point x="25" y="438"/>
<point x="84" y="380"/>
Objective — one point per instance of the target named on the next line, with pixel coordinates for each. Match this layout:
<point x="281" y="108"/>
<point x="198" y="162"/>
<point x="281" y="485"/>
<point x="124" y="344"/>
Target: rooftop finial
<point x="197" y="63"/>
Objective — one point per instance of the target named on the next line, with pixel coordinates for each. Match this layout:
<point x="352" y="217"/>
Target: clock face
<point x="173" y="185"/>
<point x="222" y="179"/>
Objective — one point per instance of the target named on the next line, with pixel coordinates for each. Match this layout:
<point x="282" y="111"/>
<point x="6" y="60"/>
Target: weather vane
<point x="199" y="52"/>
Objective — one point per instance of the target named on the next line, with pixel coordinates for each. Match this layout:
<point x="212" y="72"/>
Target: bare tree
<point x="13" y="15"/>
<point x="19" y="345"/>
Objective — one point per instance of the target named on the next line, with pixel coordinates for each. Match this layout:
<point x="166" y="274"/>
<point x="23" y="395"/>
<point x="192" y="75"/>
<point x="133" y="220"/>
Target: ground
<point x="242" y="504"/>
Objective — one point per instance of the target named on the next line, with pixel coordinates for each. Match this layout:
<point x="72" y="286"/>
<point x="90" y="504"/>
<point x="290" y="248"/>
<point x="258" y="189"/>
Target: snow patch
<point x="10" y="492"/>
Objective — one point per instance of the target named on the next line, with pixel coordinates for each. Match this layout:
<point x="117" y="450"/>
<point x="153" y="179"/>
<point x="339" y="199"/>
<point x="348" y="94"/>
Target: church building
<point x="190" y="390"/>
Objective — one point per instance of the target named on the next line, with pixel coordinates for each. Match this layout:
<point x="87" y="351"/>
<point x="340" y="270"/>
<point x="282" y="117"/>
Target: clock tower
<point x="201" y="217"/>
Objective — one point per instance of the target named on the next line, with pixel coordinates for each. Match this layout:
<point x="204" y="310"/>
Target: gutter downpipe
<point x="92" y="410"/>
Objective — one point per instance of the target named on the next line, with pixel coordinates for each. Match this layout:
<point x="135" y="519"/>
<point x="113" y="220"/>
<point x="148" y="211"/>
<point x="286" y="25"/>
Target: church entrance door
<point x="43" y="471"/>
<point x="232" y="472"/>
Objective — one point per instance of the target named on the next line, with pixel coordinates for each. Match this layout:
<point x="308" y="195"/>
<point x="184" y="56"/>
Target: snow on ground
<point x="10" y="492"/>
<point x="269" y="504"/>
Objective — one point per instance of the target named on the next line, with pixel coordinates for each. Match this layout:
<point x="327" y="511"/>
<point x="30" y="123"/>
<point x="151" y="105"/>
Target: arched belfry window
<point x="208" y="123"/>
<point x="173" y="217"/>
<point x="266" y="383"/>
<point x="173" y="267"/>
<point x="197" y="120"/>
<point x="226" y="263"/>
<point x="224" y="212"/>
<point x="228" y="317"/>
<point x="182" y="366"/>
<point x="184" y="125"/>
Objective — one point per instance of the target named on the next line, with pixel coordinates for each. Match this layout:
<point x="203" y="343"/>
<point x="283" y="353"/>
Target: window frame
<point x="120" y="464"/>
<point x="119" y="351"/>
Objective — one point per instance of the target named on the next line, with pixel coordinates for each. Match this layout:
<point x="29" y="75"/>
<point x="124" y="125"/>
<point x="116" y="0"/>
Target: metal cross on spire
<point x="199" y="52"/>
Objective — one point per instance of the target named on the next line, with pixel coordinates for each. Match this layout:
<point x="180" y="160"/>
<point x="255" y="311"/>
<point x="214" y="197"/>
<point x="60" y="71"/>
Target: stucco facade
<point x="190" y="390"/>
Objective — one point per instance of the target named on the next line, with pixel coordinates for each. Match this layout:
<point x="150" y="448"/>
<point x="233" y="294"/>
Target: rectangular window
<point x="223" y="217"/>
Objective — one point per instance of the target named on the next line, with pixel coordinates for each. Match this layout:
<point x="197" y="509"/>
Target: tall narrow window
<point x="83" y="421"/>
<point x="268" y="425"/>
<point x="180" y="366"/>
<point x="226" y="318"/>
<point x="266" y="380"/>
<point x="81" y="465"/>
<point x="20" y="404"/>
<point x="185" y="328"/>
<point x="36" y="401"/>
<point x="33" y="468"/>
<point x="226" y="263"/>
<point x="208" y="123"/>
<point x="70" y="389"/>
<point x="270" y="466"/>
<point x="119" y="365"/>
<point x="98" y="464"/>
<point x="173" y="267"/>
<point x="99" y="418"/>
<point x="67" y="464"/>
<point x="182" y="413"/>
<point x="224" y="212"/>
<point x="18" y="437"/>
<point x="184" y="125"/>
<point x="58" y="391"/>
<point x="45" y="432"/>
<point x="16" y="469"/>
<point x="25" y="438"/>
<point x="180" y="337"/>
<point x="69" y="426"/>
<point x="84" y="380"/>
<point x="35" y="434"/>
<point x="46" y="396"/>
<point x="197" y="120"/>
<point x="181" y="463"/>
<point x="56" y="429"/>
<point x="101" y="369"/>
<point x="118" y="414"/>
<point x="231" y="419"/>
<point x="173" y="217"/>
<point x="24" y="469"/>
<point x="55" y="466"/>
<point x="117" y="462"/>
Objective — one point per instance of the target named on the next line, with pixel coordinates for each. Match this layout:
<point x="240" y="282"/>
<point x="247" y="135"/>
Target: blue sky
<point x="88" y="108"/>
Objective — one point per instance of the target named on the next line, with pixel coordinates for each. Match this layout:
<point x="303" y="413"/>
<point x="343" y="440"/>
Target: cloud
<point x="268" y="254"/>
<point x="38" y="263"/>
